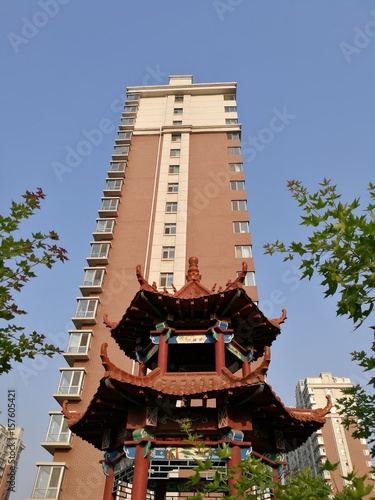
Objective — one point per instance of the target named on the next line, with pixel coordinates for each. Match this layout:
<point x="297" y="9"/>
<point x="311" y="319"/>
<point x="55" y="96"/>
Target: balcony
<point x="86" y="312"/>
<point x="109" y="207"/>
<point x="58" y="436"/>
<point x="70" y="384"/>
<point x="113" y="187"/>
<point x="117" y="170"/>
<point x="120" y="153"/>
<point x="92" y="281"/>
<point x="124" y="137"/>
<point x="98" y="254"/>
<point x="104" y="229"/>
<point x="78" y="347"/>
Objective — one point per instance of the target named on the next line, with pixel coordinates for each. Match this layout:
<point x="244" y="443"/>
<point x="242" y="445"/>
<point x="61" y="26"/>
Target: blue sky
<point x="66" y="65"/>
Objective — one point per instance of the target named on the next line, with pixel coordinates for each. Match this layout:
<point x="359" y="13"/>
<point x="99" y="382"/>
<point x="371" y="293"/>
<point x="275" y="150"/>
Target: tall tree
<point x="340" y="249"/>
<point x="19" y="258"/>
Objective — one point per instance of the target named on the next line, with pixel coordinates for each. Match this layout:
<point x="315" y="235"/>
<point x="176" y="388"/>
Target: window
<point x="113" y="185"/>
<point x="230" y="109"/>
<point x="179" y="98"/>
<point x="170" y="228"/>
<point x="93" y="277"/>
<point x="132" y="97"/>
<point x="86" y="308"/>
<point x="79" y="341"/>
<point x="121" y="150"/>
<point x="117" y="167"/>
<point x="243" y="251"/>
<point x="168" y="253"/>
<point x="234" y="151"/>
<point x="70" y="381"/>
<point x="249" y="278"/>
<point x="99" y="250"/>
<point x="241" y="227"/>
<point x="239" y="205"/>
<point x="235" y="167"/>
<point x="229" y="97"/>
<point x="130" y="109"/>
<point x="231" y="136"/>
<point x="104" y="226"/>
<point x="127" y="121"/>
<point x="176" y="137"/>
<point x="237" y="185"/>
<point x="109" y="204"/>
<point x="175" y="153"/>
<point x="171" y="206"/>
<point x="366" y="452"/>
<point x="231" y="121"/>
<point x="166" y="279"/>
<point x="174" y="169"/>
<point x="124" y="136"/>
<point x="48" y="481"/>
<point x="172" y="187"/>
<point x="177" y="122"/>
<point x="58" y="430"/>
<point x="177" y="111"/>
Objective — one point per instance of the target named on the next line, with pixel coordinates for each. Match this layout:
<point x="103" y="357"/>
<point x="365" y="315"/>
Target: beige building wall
<point x="333" y="441"/>
<point x="194" y="119"/>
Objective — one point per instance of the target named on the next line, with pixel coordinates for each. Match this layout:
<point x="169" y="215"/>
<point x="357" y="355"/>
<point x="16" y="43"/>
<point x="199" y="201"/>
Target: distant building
<point x="11" y="446"/>
<point x="333" y="441"/>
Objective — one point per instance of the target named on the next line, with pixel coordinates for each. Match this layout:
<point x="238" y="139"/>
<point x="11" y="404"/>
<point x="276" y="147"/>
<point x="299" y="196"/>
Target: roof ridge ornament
<point x="193" y="271"/>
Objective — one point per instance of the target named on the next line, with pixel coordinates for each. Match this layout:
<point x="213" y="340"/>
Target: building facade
<point x="333" y="441"/>
<point x="175" y="188"/>
<point x="11" y="446"/>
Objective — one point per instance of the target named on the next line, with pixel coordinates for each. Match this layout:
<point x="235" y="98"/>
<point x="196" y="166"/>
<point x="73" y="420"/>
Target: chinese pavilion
<point x="202" y="355"/>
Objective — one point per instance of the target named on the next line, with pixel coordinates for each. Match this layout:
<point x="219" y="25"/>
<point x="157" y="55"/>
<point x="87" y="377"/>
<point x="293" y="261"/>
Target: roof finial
<point x="193" y="271"/>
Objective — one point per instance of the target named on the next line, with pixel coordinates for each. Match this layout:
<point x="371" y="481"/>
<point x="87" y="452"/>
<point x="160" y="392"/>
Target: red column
<point x="142" y="369"/>
<point x="163" y="354"/>
<point x="141" y="464"/>
<point x="108" y="486"/>
<point x="219" y="353"/>
<point x="245" y="368"/>
<point x="233" y="462"/>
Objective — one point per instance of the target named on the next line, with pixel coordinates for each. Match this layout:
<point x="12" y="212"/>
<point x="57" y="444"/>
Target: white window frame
<point x="233" y="136"/>
<point x="229" y="97"/>
<point x="171" y="227"/>
<point x="231" y="121"/>
<point x="237" y="185"/>
<point x="178" y="111"/>
<point x="174" y="169"/>
<point x="168" y="252"/>
<point x="92" y="306"/>
<point x="249" y="278"/>
<point x="48" y="492"/>
<point x="241" y="227"/>
<point x="234" y="150"/>
<point x="178" y="98"/>
<point x="130" y="109"/>
<point x="235" y="167"/>
<point x="171" y="207"/>
<point x="132" y="97"/>
<point x="98" y="276"/>
<point x="66" y="386"/>
<point x="124" y="135"/>
<point x="112" y="203"/>
<point x="121" y="150"/>
<point x="243" y="251"/>
<point x="238" y="205"/>
<point x="177" y="122"/>
<point x="58" y="421"/>
<point x="125" y="120"/>
<point x="176" y="137"/>
<point x="172" y="187"/>
<point x="77" y="346"/>
<point x="230" y="109"/>
<point x="166" y="279"/>
<point x="113" y="185"/>
<point x="175" y="153"/>
<point x="99" y="255"/>
<point x="105" y="226"/>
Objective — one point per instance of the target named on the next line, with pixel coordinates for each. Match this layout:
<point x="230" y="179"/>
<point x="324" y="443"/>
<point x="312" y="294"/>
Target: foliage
<point x="253" y="478"/>
<point x="18" y="259"/>
<point x="341" y="249"/>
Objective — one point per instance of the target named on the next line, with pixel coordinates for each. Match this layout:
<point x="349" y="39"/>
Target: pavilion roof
<point x="194" y="307"/>
<point x="119" y="391"/>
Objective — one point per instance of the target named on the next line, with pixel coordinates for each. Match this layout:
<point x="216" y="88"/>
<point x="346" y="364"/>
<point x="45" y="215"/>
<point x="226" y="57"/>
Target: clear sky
<point x="65" y="67"/>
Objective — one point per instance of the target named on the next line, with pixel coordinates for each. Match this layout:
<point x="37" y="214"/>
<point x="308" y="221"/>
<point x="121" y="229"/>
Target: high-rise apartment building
<point x="175" y="188"/>
<point x="11" y="446"/>
<point x="333" y="441"/>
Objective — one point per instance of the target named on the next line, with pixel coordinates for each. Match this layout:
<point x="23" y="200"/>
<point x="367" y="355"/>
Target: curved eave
<point x="150" y="307"/>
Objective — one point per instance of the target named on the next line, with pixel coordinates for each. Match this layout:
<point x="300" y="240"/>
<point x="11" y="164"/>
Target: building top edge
<point x="193" y="87"/>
